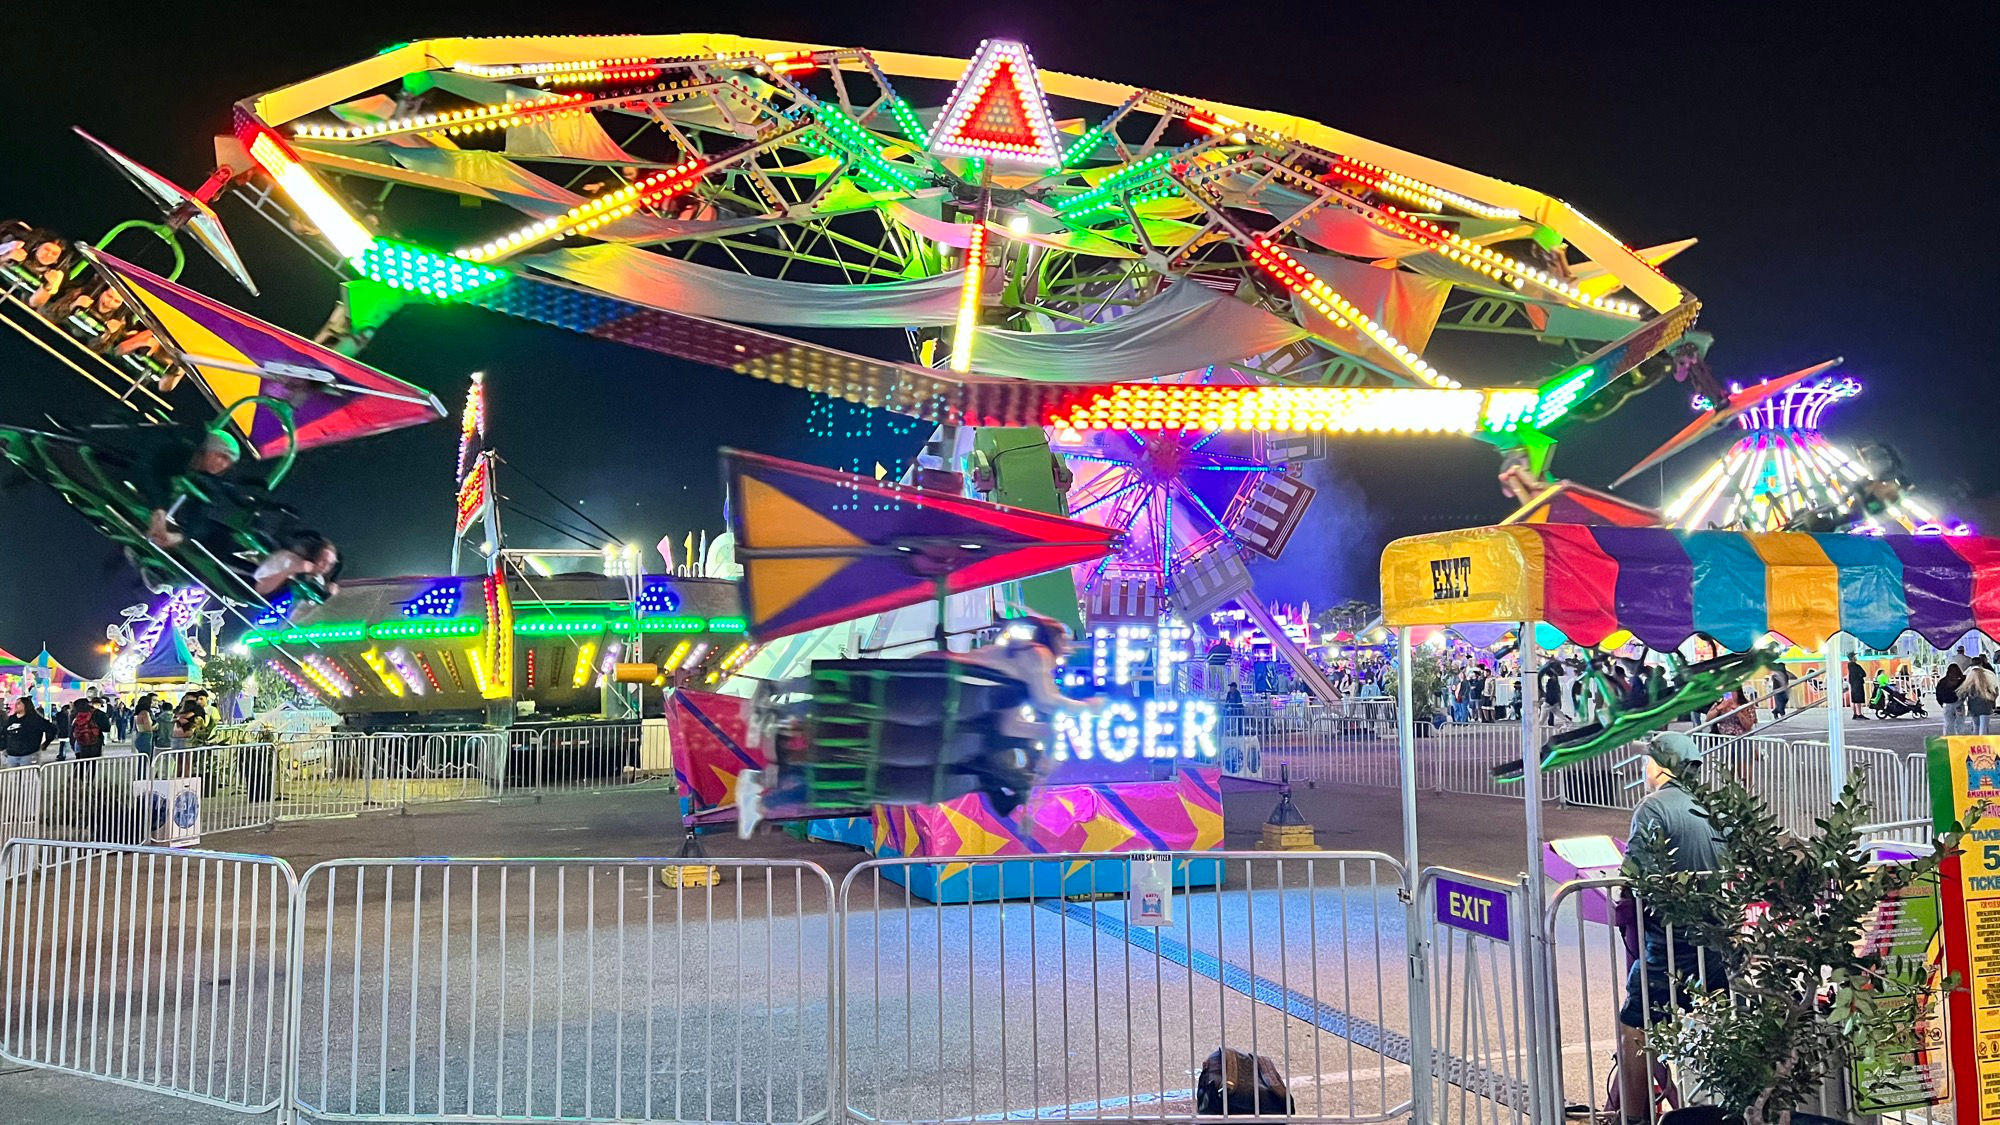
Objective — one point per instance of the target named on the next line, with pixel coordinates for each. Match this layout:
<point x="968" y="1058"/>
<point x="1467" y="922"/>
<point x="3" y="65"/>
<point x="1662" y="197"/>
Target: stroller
<point x="1889" y="703"/>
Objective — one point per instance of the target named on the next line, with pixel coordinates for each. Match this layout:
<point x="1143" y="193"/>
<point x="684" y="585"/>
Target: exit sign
<point x="1479" y="910"/>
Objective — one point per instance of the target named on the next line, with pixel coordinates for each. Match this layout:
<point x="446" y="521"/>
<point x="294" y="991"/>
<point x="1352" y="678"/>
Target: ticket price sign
<point x="1965" y="774"/>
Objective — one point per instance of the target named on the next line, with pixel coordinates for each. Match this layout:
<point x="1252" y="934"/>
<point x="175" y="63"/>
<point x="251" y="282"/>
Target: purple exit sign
<point x="1478" y="910"/>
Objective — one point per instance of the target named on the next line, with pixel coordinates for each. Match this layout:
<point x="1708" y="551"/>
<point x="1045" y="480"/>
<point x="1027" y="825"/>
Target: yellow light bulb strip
<point x="583" y="669"/>
<point x="1428" y="196"/>
<point x="1496" y="265"/>
<point x="968" y="299"/>
<point x="586" y="217"/>
<point x="456" y="122"/>
<point x="1322" y="297"/>
<point x="1274" y="409"/>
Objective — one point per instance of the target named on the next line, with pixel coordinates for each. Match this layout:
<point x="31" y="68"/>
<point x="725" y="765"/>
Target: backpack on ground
<point x="1237" y="1082"/>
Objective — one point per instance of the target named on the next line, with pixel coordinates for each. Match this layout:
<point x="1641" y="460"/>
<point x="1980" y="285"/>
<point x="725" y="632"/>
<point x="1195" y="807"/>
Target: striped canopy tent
<point x="1665" y="586"/>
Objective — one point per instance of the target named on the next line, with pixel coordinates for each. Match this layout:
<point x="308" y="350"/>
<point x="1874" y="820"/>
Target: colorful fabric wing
<point x="235" y="356"/>
<point x="820" y="546"/>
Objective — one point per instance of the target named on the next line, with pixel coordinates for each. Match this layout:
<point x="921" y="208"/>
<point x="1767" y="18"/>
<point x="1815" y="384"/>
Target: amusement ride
<point x="1128" y="317"/>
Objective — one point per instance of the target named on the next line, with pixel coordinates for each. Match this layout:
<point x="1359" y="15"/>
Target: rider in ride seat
<point x="1026" y="658"/>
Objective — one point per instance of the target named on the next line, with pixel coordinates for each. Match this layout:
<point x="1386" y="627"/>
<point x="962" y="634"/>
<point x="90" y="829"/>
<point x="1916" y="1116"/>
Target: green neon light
<point x="1084" y="147"/>
<point x="1104" y="197"/>
<point x="679" y="624"/>
<point x="414" y="269"/>
<point x="1557" y="400"/>
<point x="407" y="630"/>
<point x="849" y="138"/>
<point x="906" y="120"/>
<point x="572" y="624"/>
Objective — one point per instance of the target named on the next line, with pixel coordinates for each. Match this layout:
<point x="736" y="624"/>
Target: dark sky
<point x="1838" y="169"/>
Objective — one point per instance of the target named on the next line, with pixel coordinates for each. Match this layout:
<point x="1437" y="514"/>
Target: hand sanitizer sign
<point x="1149" y="890"/>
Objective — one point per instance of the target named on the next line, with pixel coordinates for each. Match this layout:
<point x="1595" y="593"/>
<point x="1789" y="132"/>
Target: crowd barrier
<point x="721" y="990"/>
<point x="577" y="990"/>
<point x="1049" y="1006"/>
<point x="128" y="798"/>
<point x="1353" y="742"/>
<point x="148" y="967"/>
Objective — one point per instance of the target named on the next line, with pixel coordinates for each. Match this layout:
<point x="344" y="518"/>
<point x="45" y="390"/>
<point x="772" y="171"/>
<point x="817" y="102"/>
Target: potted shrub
<point x="1787" y="916"/>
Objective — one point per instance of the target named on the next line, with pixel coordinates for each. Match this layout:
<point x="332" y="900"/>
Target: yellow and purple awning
<point x="1665" y="586"/>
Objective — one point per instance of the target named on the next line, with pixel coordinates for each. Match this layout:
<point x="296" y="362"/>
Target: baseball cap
<point x="219" y="442"/>
<point x="1672" y="748"/>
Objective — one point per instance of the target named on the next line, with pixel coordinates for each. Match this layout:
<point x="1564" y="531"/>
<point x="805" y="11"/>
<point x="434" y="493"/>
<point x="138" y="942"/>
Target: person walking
<point x="1948" y="687"/>
<point x="60" y="721"/>
<point x="1857" y="687"/>
<point x="1980" y="692"/>
<point x="24" y="733"/>
<point x="86" y="731"/>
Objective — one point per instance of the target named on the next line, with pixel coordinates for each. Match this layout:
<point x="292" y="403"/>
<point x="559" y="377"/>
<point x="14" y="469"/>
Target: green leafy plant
<point x="1786" y="915"/>
<point x="1428" y="676"/>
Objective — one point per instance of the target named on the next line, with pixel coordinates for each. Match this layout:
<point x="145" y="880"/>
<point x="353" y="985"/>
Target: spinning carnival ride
<point x="1134" y="269"/>
<point x="1783" y="468"/>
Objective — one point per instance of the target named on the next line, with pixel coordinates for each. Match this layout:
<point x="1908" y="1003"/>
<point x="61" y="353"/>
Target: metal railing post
<point x="1413" y="926"/>
<point x="1836" y="719"/>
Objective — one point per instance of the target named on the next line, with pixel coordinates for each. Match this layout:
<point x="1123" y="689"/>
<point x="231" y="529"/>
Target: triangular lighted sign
<point x="998" y="112"/>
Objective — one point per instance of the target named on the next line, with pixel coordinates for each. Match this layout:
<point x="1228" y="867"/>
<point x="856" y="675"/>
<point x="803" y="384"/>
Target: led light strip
<point x="851" y="139"/>
<point x="343" y="230"/>
<point x="530" y="70"/>
<point x="379" y="666"/>
<point x="609" y="72"/>
<point x="327" y="675"/>
<point x="1343" y="312"/>
<point x="1104" y="197"/>
<point x="968" y="299"/>
<point x="400" y="661"/>
<point x="583" y="654"/>
<point x="906" y="120"/>
<point x="1429" y="196"/>
<point x="1499" y="266"/>
<point x="586" y="217"/>
<point x="292" y="678"/>
<point x="454" y="122"/>
<point x="1271" y="409"/>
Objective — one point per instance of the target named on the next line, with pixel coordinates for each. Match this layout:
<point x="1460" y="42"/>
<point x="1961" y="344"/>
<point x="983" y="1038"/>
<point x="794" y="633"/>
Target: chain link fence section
<point x="566" y="990"/>
<point x="148" y="967"/>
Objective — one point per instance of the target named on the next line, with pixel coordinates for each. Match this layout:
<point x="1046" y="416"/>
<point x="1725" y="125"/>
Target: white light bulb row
<point x="452" y="122"/>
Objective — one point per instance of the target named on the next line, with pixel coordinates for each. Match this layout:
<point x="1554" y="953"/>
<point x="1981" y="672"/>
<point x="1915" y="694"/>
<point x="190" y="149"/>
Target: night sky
<point x="1836" y="168"/>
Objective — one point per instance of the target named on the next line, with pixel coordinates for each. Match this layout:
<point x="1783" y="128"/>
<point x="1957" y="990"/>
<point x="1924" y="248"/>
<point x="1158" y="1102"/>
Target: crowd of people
<point x="42" y="269"/>
<point x="81" y="729"/>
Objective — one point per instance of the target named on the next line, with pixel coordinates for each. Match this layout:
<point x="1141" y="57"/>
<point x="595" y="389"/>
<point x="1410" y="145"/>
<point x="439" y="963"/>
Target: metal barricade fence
<point x="148" y="967"/>
<point x="1475" y="944"/>
<point x="1066" y="1001"/>
<point x="431" y="768"/>
<point x="1353" y="742"/>
<point x="577" y="756"/>
<point x="20" y="803"/>
<point x="336" y="774"/>
<point x="545" y="990"/>
<point x="97" y="800"/>
<point x="237" y="782"/>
